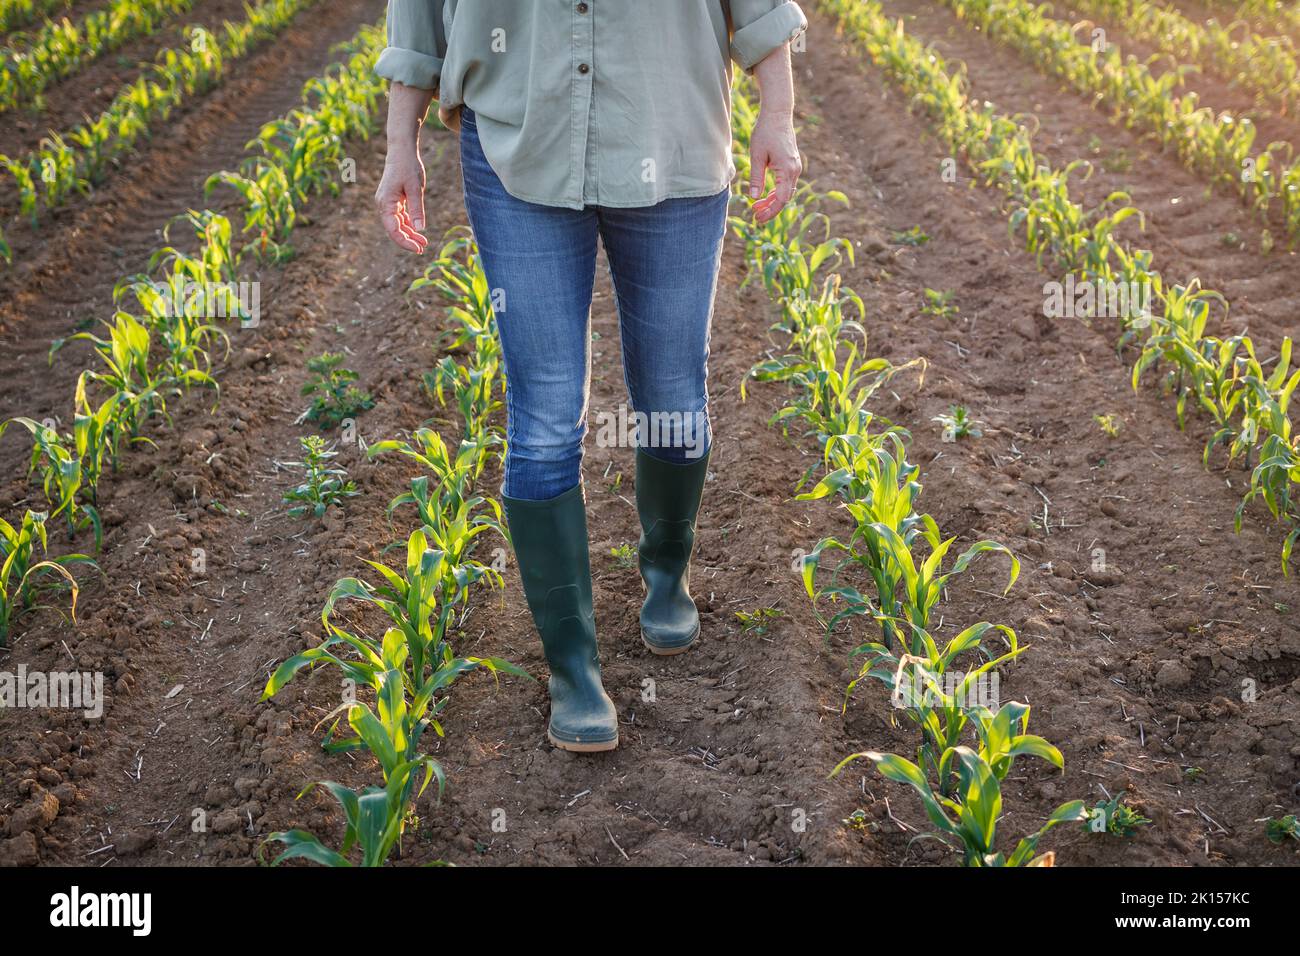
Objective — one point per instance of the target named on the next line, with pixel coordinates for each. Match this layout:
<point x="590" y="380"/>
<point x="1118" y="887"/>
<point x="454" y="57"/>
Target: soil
<point x="1138" y="661"/>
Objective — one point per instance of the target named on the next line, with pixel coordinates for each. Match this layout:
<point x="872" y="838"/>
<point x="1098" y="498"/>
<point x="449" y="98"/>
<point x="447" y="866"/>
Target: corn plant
<point x="834" y="380"/>
<point x="907" y="587"/>
<point x="957" y="424"/>
<point x="93" y="431"/>
<point x="969" y="820"/>
<point x="411" y="600"/>
<point x="55" y="459"/>
<point x="373" y="819"/>
<point x="23" y="577"/>
<point x="270" y="211"/>
<point x="409" y="670"/>
<point x="931" y="691"/>
<point x="1177" y="338"/>
<point x="128" y="372"/>
<point x="406" y="706"/>
<point x="323" y="485"/>
<point x="472" y="383"/>
<point x="455" y="472"/>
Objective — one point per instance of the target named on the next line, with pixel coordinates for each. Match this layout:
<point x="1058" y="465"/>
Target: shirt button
<point x="583" y="68"/>
<point x="583" y="8"/>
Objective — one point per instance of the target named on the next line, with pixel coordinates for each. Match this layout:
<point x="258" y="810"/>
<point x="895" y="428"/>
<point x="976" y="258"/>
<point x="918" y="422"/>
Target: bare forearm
<point x="776" y="82"/>
<point x="407" y="106"/>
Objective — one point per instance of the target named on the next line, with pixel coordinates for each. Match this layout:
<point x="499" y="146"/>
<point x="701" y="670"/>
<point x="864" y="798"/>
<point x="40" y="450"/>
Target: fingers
<point x="766" y="208"/>
<point x="415" y="203"/>
<point x="757" y="172"/>
<point x="409" y="232"/>
<point x="785" y="176"/>
<point x="398" y="226"/>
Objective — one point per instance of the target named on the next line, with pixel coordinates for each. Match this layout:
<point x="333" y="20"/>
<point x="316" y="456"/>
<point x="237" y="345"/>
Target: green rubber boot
<point x="550" y="542"/>
<point x="667" y="500"/>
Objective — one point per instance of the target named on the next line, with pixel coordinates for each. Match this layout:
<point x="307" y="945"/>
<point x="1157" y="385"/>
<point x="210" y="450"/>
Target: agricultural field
<point x="1001" y="418"/>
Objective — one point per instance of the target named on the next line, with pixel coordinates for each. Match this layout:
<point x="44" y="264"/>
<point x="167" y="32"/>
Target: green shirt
<point x="591" y="102"/>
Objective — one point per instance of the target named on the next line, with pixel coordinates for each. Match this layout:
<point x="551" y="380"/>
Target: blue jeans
<point x="540" y="263"/>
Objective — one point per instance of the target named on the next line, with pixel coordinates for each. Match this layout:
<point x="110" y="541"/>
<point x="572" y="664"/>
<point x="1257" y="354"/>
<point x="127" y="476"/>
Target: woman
<point x="581" y="119"/>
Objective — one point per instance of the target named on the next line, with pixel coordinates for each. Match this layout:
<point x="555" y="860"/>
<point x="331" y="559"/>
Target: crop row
<point x="891" y="573"/>
<point x="31" y="63"/>
<point x="410" y="664"/>
<point x="160" y="341"/>
<point x="19" y="13"/>
<point x="1265" y="64"/>
<point x="1245" y="401"/>
<point x="1277" y="14"/>
<point x="1219" y="146"/>
<point x="67" y="164"/>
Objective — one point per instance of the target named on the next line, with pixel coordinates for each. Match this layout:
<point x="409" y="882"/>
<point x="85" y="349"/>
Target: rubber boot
<point x="550" y="542"/>
<point x="667" y="500"/>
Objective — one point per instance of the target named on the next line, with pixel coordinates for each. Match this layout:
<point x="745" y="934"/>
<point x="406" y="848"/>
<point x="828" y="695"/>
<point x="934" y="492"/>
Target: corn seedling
<point x="464" y="287"/>
<point x="373" y="817"/>
<point x="128" y="372"/>
<point x="419" y="601"/>
<point x="451" y="515"/>
<point x="958" y="424"/>
<point x="969" y="822"/>
<point x="938" y="697"/>
<point x="55" y="459"/>
<point x="938" y="304"/>
<point x="23" y="577"/>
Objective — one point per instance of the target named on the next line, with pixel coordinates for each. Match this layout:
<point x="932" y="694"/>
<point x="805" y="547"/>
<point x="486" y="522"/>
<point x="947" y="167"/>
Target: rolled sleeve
<point x="761" y="26"/>
<point x="416" y="44"/>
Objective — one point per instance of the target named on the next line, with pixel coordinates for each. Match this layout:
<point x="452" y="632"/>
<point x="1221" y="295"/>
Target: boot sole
<point x="589" y="748"/>
<point x="669" y="651"/>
